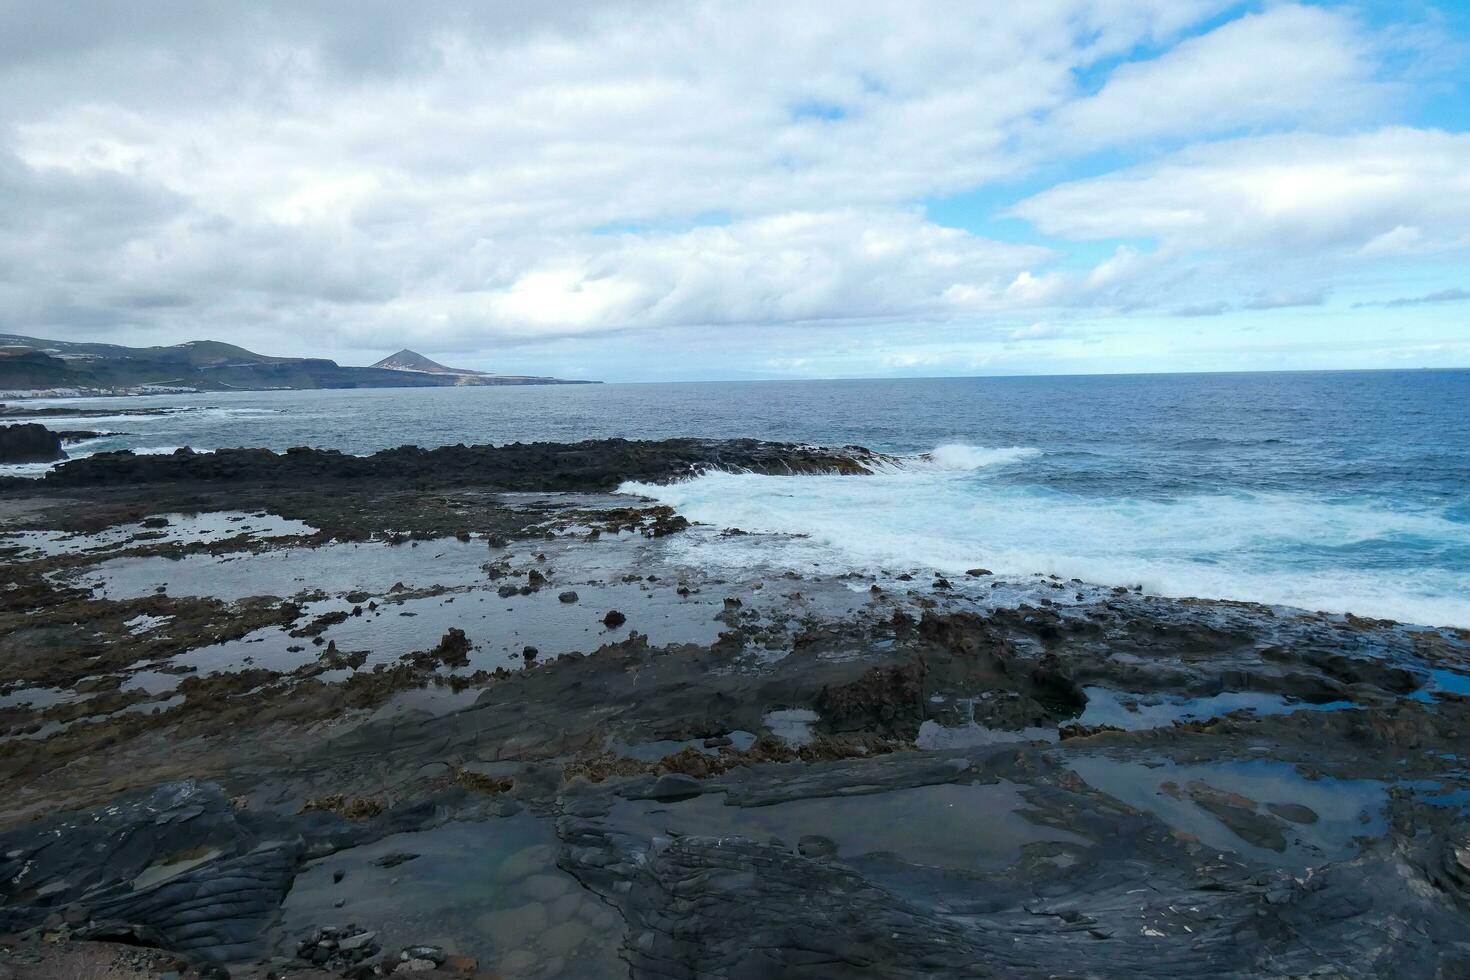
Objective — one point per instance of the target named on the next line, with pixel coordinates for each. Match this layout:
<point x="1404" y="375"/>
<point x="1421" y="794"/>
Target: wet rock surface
<point x="325" y="747"/>
<point x="175" y="864"/>
<point x="597" y="465"/>
<point x="29" y="442"/>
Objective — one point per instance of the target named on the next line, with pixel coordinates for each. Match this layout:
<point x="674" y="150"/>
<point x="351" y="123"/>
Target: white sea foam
<point x="27" y="470"/>
<point x="949" y="513"/>
<point x="252" y="414"/>
<point x="963" y="458"/>
<point x="955" y="458"/>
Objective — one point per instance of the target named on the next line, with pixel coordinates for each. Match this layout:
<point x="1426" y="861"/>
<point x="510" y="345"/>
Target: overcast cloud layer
<point x="704" y="190"/>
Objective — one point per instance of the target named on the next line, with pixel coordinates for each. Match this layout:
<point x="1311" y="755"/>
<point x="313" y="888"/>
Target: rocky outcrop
<point x="179" y="866"/>
<point x="748" y="909"/>
<point x="29" y="443"/>
<point x="849" y="780"/>
<point x="883" y="699"/>
<point x="592" y="466"/>
<point x="177" y="861"/>
<point x="1122" y="896"/>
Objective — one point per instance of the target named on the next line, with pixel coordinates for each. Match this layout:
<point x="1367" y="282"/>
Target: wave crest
<point x="962" y="457"/>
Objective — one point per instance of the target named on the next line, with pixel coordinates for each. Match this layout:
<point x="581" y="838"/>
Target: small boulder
<point x="433" y="954"/>
<point x="614" y="619"/>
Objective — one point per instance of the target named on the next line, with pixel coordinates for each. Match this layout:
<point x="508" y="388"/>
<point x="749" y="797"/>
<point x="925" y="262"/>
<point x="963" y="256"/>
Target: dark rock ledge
<point x="29" y="443"/>
<point x="590" y="466"/>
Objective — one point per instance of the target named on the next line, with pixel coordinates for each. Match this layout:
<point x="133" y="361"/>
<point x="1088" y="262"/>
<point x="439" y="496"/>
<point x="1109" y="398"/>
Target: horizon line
<point x="1072" y="374"/>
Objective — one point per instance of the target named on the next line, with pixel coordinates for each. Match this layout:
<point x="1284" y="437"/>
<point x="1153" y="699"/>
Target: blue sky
<point x="662" y="191"/>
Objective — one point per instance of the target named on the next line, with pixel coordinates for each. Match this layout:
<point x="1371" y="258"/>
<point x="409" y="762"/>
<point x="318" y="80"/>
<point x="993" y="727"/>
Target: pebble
<point x="338" y="948"/>
<point x="358" y="941"/>
<point x="434" y="954"/>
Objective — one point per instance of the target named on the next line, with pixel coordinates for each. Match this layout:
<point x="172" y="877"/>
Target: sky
<point x="689" y="190"/>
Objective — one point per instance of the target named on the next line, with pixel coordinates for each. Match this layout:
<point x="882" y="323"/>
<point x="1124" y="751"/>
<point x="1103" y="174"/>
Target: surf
<point x="959" y="506"/>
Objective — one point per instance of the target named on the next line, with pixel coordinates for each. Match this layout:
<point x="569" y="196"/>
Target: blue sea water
<point x="1343" y="491"/>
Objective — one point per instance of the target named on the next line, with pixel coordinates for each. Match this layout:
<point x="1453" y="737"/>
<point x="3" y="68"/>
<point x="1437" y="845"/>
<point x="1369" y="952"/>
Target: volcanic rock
<point x="29" y="443"/>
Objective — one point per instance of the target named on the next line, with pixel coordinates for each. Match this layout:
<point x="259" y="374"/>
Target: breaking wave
<point x="962" y="506"/>
<point x="963" y="458"/>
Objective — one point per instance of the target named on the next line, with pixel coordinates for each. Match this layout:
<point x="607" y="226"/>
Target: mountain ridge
<point x="32" y="366"/>
<point x="412" y="360"/>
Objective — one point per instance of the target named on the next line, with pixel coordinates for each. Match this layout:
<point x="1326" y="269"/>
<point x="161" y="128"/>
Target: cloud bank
<point x="482" y="177"/>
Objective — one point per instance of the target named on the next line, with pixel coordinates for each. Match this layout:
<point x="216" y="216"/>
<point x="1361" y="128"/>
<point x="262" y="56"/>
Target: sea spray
<point x="950" y="509"/>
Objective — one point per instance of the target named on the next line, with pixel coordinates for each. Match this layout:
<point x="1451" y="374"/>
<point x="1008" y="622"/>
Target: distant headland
<point x="31" y="367"/>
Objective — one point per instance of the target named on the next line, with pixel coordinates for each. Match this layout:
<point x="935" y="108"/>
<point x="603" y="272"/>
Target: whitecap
<point x="965" y="458"/>
<point x="1293" y="549"/>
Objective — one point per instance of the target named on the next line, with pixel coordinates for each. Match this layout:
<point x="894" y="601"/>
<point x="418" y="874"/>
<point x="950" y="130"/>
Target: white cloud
<point x="1399" y="240"/>
<point x="496" y="173"/>
<point x="1333" y="193"/>
<point x="389" y="176"/>
<point x="639" y="115"/>
<point x="1285" y="300"/>
<point x="790" y="268"/>
<point x="1288" y="63"/>
<point x="1036" y="331"/>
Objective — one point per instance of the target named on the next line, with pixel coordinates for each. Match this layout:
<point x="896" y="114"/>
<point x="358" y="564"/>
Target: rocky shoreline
<point x="464" y="712"/>
<point x="594" y="465"/>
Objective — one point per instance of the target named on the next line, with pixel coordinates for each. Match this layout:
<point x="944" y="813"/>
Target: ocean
<point x="1337" y="491"/>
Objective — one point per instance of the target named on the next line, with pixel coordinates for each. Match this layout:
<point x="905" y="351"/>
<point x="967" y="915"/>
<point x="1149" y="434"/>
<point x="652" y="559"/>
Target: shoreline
<point x="660" y="467"/>
<point x="416" y="653"/>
